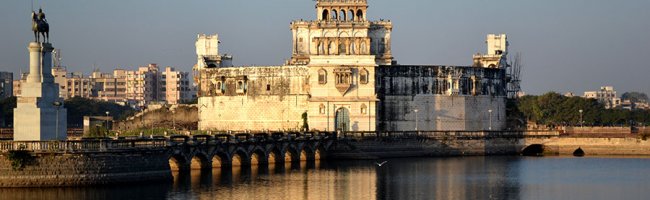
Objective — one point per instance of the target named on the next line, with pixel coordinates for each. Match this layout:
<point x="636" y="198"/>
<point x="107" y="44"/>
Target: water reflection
<point x="416" y="178"/>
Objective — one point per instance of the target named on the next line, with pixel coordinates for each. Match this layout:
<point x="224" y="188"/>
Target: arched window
<point x="364" y="109"/>
<point x="359" y="15"/>
<point x="322" y="76"/>
<point x="326" y="15"/>
<point x="364" y="49"/>
<point x="363" y="76"/>
<point x="352" y="49"/>
<point x="330" y="48"/>
<point x="341" y="48"/>
<point x="351" y="15"/>
<point x="334" y="15"/>
<point x="219" y="88"/>
<point x="342" y="15"/>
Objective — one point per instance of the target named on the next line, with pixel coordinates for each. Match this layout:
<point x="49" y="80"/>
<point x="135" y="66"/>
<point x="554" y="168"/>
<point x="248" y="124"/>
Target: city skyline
<point x="566" y="46"/>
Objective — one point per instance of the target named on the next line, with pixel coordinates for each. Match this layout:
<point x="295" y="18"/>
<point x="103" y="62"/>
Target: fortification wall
<point x="595" y="146"/>
<point x="440" y="112"/>
<point x="446" y="97"/>
<point x="253" y="98"/>
<point x="77" y="169"/>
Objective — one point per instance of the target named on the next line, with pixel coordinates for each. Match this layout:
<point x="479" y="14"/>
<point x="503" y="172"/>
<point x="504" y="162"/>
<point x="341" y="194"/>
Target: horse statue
<point x="40" y="26"/>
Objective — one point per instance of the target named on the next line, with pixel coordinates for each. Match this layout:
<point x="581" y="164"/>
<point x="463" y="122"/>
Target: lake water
<point x="412" y="178"/>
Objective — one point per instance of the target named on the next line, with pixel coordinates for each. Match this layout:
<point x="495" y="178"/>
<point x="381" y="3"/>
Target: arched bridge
<point x="225" y="150"/>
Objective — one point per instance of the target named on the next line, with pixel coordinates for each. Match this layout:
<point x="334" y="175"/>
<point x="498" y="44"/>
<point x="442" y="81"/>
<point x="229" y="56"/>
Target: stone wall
<point x="447" y="98"/>
<point x="83" y="169"/>
<point x="462" y="143"/>
<point x="594" y="146"/>
<point x="610" y="130"/>
<point x="254" y="98"/>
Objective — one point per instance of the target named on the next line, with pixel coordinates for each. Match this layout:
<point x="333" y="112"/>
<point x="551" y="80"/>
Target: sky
<point x="566" y="46"/>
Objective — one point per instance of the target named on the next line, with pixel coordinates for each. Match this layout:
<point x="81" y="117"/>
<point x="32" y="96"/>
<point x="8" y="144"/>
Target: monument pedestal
<point x="39" y="114"/>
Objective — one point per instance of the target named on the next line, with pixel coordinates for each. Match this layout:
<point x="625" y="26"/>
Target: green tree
<point x="79" y="107"/>
<point x="7" y="106"/>
<point x="635" y="97"/>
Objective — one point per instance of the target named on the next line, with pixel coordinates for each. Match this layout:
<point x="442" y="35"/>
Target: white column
<point x="34" y="63"/>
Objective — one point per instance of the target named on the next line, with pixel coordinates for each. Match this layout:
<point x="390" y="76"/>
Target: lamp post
<point x="416" y="119"/>
<point x="107" y="113"/>
<point x="580" y="111"/>
<point x="490" y="127"/>
<point x="57" y="105"/>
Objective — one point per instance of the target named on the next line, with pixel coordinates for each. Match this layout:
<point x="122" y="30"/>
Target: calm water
<point x="413" y="178"/>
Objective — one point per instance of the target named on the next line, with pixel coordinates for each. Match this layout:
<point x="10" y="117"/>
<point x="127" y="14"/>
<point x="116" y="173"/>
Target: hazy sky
<point x="573" y="45"/>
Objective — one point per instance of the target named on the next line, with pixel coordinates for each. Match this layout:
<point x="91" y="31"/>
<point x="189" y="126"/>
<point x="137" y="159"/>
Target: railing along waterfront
<point x="446" y="134"/>
<point x="83" y="145"/>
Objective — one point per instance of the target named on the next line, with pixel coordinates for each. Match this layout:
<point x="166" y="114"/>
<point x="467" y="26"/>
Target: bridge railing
<point x="82" y="145"/>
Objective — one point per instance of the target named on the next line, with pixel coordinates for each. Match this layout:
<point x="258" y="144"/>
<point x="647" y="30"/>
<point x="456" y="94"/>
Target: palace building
<point x="342" y="76"/>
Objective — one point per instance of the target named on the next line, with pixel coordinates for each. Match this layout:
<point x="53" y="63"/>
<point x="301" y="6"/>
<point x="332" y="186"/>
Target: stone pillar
<point x="40" y="114"/>
<point x="46" y="69"/>
<point x="34" y="62"/>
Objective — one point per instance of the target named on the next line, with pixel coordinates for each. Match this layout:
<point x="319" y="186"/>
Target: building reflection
<point x="430" y="178"/>
<point x="421" y="178"/>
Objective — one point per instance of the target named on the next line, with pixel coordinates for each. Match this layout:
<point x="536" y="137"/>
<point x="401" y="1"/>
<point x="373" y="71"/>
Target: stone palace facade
<point x="342" y="76"/>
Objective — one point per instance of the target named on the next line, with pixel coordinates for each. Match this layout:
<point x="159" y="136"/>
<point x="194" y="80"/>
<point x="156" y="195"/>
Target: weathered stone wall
<point x="610" y="130"/>
<point x="447" y="98"/>
<point x="593" y="146"/>
<point x="77" y="169"/>
<point x="254" y="98"/>
<point x="480" y="143"/>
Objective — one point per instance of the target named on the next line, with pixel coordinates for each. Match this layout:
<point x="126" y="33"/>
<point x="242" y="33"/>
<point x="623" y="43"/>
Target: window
<point x="322" y="76"/>
<point x="321" y="109"/>
<point x="364" y="109"/>
<point x="363" y="76"/>
<point x="268" y="87"/>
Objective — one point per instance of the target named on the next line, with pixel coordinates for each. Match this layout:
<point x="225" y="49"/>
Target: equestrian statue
<point x="40" y="26"/>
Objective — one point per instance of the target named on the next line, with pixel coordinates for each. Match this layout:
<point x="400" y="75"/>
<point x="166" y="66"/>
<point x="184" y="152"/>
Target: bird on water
<point x="380" y="164"/>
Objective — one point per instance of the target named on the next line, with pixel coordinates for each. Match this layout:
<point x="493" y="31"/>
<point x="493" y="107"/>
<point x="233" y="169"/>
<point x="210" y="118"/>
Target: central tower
<point x="341" y="49"/>
<point x="341" y="28"/>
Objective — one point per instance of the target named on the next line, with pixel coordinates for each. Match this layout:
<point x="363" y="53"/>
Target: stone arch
<point x="359" y="15"/>
<point x="177" y="162"/>
<point x="275" y="156"/>
<point x="326" y="15"/>
<point x="322" y="76"/>
<point x="335" y="15"/>
<point x="533" y="150"/>
<point x="351" y="15"/>
<point x="364" y="76"/>
<point x="199" y="161"/>
<point x="240" y="158"/>
<point x="304" y="156"/>
<point x="292" y="154"/>
<point x="579" y="152"/>
<point x="258" y="157"/>
<point x="220" y="160"/>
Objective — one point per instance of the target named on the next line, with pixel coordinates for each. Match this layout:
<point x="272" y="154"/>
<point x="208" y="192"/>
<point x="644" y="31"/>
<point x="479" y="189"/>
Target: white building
<point x="606" y="95"/>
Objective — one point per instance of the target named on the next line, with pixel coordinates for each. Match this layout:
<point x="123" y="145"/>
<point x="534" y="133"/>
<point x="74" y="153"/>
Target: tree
<point x="554" y="109"/>
<point x="79" y="107"/>
<point x="635" y="97"/>
<point x="7" y="106"/>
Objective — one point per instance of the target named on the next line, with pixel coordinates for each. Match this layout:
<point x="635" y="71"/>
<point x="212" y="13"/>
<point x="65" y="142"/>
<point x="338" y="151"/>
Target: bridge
<point x="126" y="160"/>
